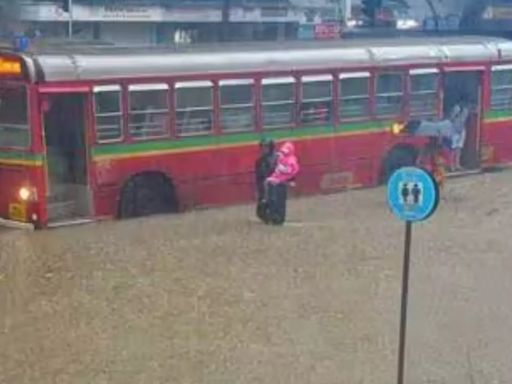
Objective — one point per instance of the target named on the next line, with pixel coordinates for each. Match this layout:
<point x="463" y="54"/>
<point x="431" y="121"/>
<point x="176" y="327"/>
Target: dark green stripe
<point x="499" y="114"/>
<point x="236" y="138"/>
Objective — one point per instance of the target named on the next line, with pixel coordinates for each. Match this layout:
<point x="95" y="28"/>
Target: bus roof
<point x="108" y="62"/>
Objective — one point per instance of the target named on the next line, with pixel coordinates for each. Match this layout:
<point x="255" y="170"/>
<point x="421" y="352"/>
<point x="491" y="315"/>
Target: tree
<point x="369" y="10"/>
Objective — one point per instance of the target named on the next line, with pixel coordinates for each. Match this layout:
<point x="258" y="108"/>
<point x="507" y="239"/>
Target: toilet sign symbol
<point x="413" y="194"/>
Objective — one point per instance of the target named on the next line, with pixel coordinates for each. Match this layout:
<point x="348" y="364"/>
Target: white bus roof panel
<point x="111" y="62"/>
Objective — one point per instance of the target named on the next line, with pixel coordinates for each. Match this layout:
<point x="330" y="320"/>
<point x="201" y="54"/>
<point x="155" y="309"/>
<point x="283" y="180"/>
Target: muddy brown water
<point x="216" y="297"/>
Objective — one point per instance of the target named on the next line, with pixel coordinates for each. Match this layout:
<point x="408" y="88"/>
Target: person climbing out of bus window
<point x="458" y="116"/>
<point x="264" y="167"/>
<point x="286" y="170"/>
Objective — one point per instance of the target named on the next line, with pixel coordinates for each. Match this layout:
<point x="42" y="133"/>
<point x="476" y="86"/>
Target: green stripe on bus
<point x="499" y="115"/>
<point x="233" y="139"/>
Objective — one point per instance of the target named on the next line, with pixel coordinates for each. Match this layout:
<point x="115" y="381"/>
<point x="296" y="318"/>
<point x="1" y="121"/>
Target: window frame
<point x="141" y="87"/>
<point x="494" y="69"/>
<point x="184" y="84"/>
<point x="369" y="94"/>
<point x="109" y="88"/>
<point x="230" y="82"/>
<point x="435" y="91"/>
<point x="276" y="80"/>
<point x="377" y="95"/>
<point x="27" y="89"/>
<point x="315" y="78"/>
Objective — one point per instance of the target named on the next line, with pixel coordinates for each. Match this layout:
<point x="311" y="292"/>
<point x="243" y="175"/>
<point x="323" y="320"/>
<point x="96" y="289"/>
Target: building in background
<point x="143" y="22"/>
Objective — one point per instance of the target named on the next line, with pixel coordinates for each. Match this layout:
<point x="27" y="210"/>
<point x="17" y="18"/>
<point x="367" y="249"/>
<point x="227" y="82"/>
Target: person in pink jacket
<point x="286" y="170"/>
<point x="287" y="165"/>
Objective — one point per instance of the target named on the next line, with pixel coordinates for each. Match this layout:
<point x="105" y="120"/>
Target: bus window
<point x="108" y="113"/>
<point x="194" y="108"/>
<point x="423" y="93"/>
<point x="236" y="101"/>
<point x="389" y="94"/>
<point x="14" y="127"/>
<point x="316" y="103"/>
<point x="354" y="95"/>
<point x="501" y="93"/>
<point x="149" y="111"/>
<point x="278" y="102"/>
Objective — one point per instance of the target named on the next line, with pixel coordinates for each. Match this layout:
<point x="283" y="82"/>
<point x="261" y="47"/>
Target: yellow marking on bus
<point x="498" y="120"/>
<point x="27" y="163"/>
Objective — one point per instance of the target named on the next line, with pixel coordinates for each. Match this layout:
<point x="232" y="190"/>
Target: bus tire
<point x="397" y="158"/>
<point x="147" y="194"/>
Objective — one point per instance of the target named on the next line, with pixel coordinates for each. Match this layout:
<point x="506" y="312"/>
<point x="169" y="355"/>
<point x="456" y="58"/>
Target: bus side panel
<point x="223" y="175"/>
<point x="497" y="142"/>
<point x="358" y="156"/>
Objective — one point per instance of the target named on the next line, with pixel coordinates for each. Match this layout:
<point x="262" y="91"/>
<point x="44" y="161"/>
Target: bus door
<point x="466" y="84"/>
<point x="65" y="134"/>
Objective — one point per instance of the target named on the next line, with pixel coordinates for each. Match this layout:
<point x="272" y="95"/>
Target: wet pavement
<point x="216" y="297"/>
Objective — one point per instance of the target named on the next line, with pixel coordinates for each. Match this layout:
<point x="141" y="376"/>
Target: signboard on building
<point x="327" y="31"/>
<point x="129" y="12"/>
<point x="321" y="31"/>
<point x="502" y="12"/>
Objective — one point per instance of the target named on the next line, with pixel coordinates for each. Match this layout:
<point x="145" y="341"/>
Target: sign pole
<point x="70" y="20"/>
<point x="413" y="195"/>
<point x="405" y="293"/>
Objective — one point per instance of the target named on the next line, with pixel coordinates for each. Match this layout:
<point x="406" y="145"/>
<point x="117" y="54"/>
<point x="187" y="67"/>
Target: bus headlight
<point x="27" y="194"/>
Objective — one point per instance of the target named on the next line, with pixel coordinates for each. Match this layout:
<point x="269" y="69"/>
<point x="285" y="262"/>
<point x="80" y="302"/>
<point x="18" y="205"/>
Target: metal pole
<point x="70" y="15"/>
<point x="403" y="309"/>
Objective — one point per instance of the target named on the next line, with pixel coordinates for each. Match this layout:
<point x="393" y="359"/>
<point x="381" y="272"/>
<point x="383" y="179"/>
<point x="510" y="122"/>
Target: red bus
<point x="89" y="133"/>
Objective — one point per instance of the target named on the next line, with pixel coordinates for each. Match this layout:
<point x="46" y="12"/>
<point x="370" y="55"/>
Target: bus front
<point x="21" y="160"/>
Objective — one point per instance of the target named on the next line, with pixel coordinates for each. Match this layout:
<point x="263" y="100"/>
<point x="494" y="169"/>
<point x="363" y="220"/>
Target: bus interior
<point x="465" y="87"/>
<point x="65" y="140"/>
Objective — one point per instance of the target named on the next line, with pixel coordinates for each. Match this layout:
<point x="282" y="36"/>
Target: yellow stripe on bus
<point x="26" y="163"/>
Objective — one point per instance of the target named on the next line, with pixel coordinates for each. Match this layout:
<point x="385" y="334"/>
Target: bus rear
<point x="20" y="164"/>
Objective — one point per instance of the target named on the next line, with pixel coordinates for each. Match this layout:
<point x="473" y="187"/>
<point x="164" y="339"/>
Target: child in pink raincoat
<point x="287" y="165"/>
<point x="286" y="170"/>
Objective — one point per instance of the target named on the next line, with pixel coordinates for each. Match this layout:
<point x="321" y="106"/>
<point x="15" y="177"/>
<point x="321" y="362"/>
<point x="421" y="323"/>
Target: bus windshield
<point x="14" y="127"/>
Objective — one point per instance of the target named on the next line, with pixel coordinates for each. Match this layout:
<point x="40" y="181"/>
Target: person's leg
<point x="260" y="201"/>
<point x="279" y="212"/>
<point x="270" y="202"/>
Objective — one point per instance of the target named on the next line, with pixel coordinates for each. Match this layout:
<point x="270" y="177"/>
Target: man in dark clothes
<point x="264" y="167"/>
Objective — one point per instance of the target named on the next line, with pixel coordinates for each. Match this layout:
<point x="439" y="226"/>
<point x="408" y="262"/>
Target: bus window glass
<point x="316" y="99"/>
<point x="389" y="94"/>
<point x="194" y="108"/>
<point x="236" y="102"/>
<point x="149" y="112"/>
<point x="354" y="97"/>
<point x="501" y="97"/>
<point x="108" y="114"/>
<point x="278" y="102"/>
<point x="423" y="98"/>
<point x="14" y="127"/>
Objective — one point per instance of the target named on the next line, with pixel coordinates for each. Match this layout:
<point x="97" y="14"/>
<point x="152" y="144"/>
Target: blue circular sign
<point x="413" y="194"/>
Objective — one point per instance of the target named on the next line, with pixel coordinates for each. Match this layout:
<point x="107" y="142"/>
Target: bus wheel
<point x="396" y="159"/>
<point x="147" y="194"/>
